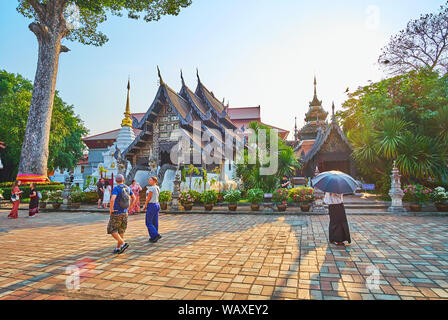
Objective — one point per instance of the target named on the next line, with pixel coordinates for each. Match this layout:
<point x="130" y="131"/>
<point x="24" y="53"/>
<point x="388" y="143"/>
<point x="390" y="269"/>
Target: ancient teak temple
<point x="170" y="111"/>
<point x="321" y="144"/>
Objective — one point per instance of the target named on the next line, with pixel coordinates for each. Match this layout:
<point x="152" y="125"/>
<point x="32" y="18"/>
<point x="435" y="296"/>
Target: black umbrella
<point x="335" y="182"/>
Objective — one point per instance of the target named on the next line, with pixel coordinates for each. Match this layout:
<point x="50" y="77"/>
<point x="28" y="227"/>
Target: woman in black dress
<point x="34" y="201"/>
<point x="338" y="230"/>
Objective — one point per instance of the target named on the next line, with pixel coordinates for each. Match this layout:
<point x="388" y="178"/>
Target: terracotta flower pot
<point x="187" y="206"/>
<point x="163" y="206"/>
<point x="56" y="205"/>
<point x="415" y="207"/>
<point x="281" y="207"/>
<point x="232" y="206"/>
<point x="42" y="205"/>
<point x="75" y="205"/>
<point x="442" y="207"/>
<point x="305" y="207"/>
<point x="255" y="206"/>
<point x="208" y="206"/>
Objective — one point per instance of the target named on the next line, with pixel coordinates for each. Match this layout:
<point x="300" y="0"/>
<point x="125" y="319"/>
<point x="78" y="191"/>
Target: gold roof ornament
<point x="127" y="121"/>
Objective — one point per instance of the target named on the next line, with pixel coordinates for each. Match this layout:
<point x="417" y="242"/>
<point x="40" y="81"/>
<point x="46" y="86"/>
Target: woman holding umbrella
<point x="335" y="184"/>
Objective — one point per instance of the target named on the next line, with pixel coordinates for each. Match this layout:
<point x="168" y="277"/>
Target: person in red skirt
<point x="15" y="197"/>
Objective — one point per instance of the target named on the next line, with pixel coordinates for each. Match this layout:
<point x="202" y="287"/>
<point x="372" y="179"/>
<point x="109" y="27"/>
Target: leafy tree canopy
<point x="404" y="118"/>
<point x="67" y="129"/>
<point x="86" y="15"/>
<point x="250" y="173"/>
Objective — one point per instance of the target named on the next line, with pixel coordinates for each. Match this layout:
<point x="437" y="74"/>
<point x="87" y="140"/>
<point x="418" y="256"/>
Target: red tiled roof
<point x="244" y="113"/>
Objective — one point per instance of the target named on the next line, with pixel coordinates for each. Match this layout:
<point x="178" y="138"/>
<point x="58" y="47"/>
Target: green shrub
<point x="232" y="196"/>
<point x="209" y="197"/>
<point x="89" y="197"/>
<point x="26" y="190"/>
<point x="77" y="196"/>
<point x="255" y="195"/>
<point x="165" y="196"/>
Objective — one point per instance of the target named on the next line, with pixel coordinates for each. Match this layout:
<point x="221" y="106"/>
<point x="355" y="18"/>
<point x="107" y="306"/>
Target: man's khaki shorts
<point x="118" y="222"/>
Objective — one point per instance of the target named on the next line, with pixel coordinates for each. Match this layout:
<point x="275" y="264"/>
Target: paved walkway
<point x="224" y="257"/>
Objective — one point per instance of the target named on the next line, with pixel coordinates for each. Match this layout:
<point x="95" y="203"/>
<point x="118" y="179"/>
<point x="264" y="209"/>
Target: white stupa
<point x="126" y="135"/>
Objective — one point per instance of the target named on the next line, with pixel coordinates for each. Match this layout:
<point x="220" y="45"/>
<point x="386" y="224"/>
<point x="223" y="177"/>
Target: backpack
<point x="124" y="200"/>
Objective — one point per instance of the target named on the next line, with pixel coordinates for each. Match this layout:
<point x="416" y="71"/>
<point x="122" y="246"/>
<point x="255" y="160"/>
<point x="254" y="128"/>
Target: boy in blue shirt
<point x="118" y="221"/>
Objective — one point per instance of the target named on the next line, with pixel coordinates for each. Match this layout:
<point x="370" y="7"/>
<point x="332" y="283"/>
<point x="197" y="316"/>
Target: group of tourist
<point x="104" y="190"/>
<point x="33" y="207"/>
<point x="123" y="198"/>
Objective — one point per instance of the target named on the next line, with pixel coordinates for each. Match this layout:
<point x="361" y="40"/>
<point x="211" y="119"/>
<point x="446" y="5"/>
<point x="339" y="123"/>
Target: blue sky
<point x="252" y="52"/>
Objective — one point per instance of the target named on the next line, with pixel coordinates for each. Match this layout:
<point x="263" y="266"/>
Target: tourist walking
<point x="152" y="208"/>
<point x="100" y="190"/>
<point x="338" y="229"/>
<point x="122" y="198"/>
<point x="136" y="188"/>
<point x="15" y="198"/>
<point x="107" y="194"/>
<point x="34" y="201"/>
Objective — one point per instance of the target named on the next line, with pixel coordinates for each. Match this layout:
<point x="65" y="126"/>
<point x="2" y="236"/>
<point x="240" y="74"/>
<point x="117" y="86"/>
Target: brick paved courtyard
<point x="224" y="257"/>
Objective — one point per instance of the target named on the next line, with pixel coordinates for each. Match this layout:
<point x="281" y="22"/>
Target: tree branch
<point x="39" y="8"/>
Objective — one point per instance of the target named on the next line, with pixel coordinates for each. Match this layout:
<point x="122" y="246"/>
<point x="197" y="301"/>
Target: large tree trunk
<point x="49" y="31"/>
<point x="34" y="154"/>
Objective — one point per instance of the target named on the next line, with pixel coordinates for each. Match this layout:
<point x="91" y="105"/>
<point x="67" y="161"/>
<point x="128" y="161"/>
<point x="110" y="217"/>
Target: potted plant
<point x="232" y="197"/>
<point x="164" y="198"/>
<point x="76" y="199"/>
<point x="196" y="195"/>
<point x="43" y="201"/>
<point x="279" y="197"/>
<point x="255" y="197"/>
<point x="209" y="199"/>
<point x="417" y="195"/>
<point x="55" y="197"/>
<point x="304" y="196"/>
<point x="440" y="198"/>
<point x="186" y="200"/>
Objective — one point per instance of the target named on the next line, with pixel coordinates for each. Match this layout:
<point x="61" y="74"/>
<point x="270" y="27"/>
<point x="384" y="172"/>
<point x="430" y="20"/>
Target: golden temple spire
<point x="127" y="121"/>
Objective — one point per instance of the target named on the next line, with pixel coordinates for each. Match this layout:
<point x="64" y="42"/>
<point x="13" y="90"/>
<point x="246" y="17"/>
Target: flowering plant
<point x="1" y="194"/>
<point x="439" y="195"/>
<point x="186" y="198"/>
<point x="196" y="195"/>
<point x="302" y="195"/>
<point x="280" y="196"/>
<point x="417" y="193"/>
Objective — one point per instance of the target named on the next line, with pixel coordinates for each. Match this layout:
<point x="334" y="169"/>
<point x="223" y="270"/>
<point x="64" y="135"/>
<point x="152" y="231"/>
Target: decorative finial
<point x="332" y="108"/>
<point x="197" y="74"/>
<point x="127" y="122"/>
<point x="160" y="76"/>
<point x="315" y="87"/>
<point x="182" y="77"/>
